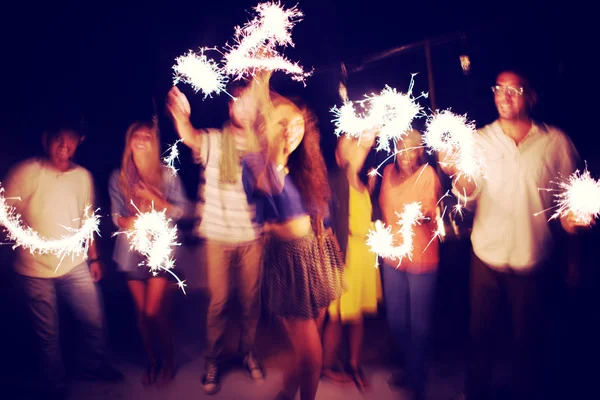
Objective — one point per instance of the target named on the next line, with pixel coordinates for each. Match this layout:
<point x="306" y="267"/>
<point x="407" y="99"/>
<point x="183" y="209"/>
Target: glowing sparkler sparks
<point x="201" y="72"/>
<point x="173" y="155"/>
<point x="349" y="122"/>
<point x="390" y="112"/>
<point x="440" y="231"/>
<point x="374" y="172"/>
<point x="454" y="135"/>
<point x="153" y="237"/>
<point x="458" y="208"/>
<point x="441" y="228"/>
<point x="75" y="245"/>
<point x="397" y="110"/>
<point x="578" y="195"/>
<point x="381" y="240"/>
<point x="256" y="42"/>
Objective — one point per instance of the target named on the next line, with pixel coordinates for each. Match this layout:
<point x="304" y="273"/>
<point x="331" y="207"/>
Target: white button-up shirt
<point x="506" y="233"/>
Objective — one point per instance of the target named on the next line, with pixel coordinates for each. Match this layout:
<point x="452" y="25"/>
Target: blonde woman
<point x="144" y="181"/>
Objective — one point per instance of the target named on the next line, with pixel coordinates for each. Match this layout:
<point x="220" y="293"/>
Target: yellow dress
<point x="361" y="277"/>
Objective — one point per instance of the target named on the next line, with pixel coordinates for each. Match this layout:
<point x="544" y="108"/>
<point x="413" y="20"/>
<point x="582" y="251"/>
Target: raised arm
<point x="354" y="150"/>
<point x="180" y="111"/>
<point x="462" y="186"/>
<point x="266" y="176"/>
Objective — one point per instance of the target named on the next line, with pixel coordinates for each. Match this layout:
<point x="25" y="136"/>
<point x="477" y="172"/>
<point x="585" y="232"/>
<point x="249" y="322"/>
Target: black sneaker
<point x="210" y="381"/>
<point x="254" y="368"/>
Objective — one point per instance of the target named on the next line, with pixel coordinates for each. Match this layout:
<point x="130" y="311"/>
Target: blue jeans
<point x="409" y="302"/>
<point x="77" y="290"/>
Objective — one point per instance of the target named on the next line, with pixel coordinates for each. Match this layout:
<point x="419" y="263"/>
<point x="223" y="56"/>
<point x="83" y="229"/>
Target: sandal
<point x="149" y="378"/>
<point x="359" y="378"/>
<point x="336" y="375"/>
<point x="283" y="396"/>
<point x="166" y="375"/>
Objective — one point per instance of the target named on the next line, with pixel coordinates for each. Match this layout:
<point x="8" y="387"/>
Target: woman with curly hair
<point x="303" y="264"/>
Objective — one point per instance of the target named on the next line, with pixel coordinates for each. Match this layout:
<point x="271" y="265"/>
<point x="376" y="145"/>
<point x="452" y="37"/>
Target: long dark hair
<point x="308" y="170"/>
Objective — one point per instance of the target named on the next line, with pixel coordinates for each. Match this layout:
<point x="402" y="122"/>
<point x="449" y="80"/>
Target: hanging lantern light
<point x="465" y="64"/>
<point x="465" y="61"/>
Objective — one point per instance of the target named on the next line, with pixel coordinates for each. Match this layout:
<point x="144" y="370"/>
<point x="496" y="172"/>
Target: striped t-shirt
<point x="223" y="208"/>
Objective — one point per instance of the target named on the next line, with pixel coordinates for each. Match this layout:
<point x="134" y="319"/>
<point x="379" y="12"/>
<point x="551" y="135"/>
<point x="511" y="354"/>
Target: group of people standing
<point x="294" y="236"/>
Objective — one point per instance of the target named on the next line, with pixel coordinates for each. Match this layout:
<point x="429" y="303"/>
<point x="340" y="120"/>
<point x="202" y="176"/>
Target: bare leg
<point x="356" y="342"/>
<point x="356" y="336"/>
<point x="157" y="298"/>
<point x="331" y="344"/>
<point x="138" y="293"/>
<point x="320" y="320"/>
<point x="305" y="370"/>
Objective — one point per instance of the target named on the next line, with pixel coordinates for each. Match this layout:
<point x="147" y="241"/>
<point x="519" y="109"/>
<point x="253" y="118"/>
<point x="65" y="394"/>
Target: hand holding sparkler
<point x="367" y="138"/>
<point x="454" y="137"/>
<point x="178" y="105"/>
<point x="390" y="113"/>
<point x="150" y="195"/>
<point x="371" y="182"/>
<point x="153" y="236"/>
<point x="179" y="110"/>
<point x="351" y="152"/>
<point x="96" y="270"/>
<point x="578" y="201"/>
<point x="572" y="223"/>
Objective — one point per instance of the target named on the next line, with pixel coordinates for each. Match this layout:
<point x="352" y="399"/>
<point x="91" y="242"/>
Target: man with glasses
<point x="512" y="245"/>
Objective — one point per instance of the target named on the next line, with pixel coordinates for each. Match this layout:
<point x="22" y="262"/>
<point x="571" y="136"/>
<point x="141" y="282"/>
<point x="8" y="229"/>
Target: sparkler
<point x="390" y="112"/>
<point x="256" y="42"/>
<point x="201" y="72"/>
<point x="169" y="160"/>
<point x="75" y="245"/>
<point x="458" y="208"/>
<point x="153" y="237"/>
<point x="381" y="240"/>
<point x="375" y="171"/>
<point x="441" y="228"/>
<point x="440" y="231"/>
<point x="578" y="195"/>
<point x="453" y="134"/>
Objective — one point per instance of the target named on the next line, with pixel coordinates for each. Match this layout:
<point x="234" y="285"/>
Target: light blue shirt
<point x="173" y="192"/>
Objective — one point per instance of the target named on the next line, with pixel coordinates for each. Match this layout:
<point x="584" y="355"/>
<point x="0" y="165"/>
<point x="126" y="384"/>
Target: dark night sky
<point x="107" y="62"/>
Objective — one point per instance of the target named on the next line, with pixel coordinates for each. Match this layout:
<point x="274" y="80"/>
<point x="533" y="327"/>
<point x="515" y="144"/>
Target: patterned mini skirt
<point x="301" y="275"/>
